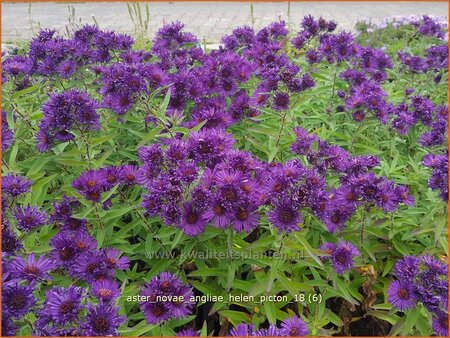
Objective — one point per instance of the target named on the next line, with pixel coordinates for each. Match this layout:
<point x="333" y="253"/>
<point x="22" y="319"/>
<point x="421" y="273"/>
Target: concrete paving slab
<point x="208" y="20"/>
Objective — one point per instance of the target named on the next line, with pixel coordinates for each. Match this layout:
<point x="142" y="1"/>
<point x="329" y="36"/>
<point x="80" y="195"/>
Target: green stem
<point x="354" y="137"/>
<point x="230" y="233"/>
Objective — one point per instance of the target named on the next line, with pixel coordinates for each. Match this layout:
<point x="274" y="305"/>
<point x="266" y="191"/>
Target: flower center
<point x="105" y="293"/>
<point x="66" y="253"/>
<point x="31" y="270"/>
<point x="341" y="259"/>
<point x="101" y="324"/>
<point x="66" y="307"/>
<point x="402" y="293"/>
<point x="293" y="332"/>
<point x="191" y="218"/>
<point x="91" y="183"/>
<point x="287" y="216"/>
<point x="158" y="310"/>
<point x="218" y="210"/>
<point x="335" y="218"/>
<point x="350" y="196"/>
<point x="242" y="215"/>
<point x="230" y="194"/>
<point x="17" y="301"/>
<point x="91" y="267"/>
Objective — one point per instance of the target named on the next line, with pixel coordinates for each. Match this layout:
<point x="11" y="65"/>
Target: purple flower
<point x="188" y="333"/>
<point x="17" y="300"/>
<point x="90" y="267"/>
<point x="280" y="101"/>
<point x="217" y="215"/>
<point x="106" y="290"/>
<point x="246" y="218"/>
<point x="29" y="217"/>
<point x="8" y="327"/>
<point x="166" y="284"/>
<point x="63" y="305"/>
<point x="31" y="268"/>
<point x="91" y="184"/>
<point x="192" y="220"/>
<point x="102" y="320"/>
<point x="303" y="141"/>
<point x="342" y="255"/>
<point x="242" y="330"/>
<point x="10" y="242"/>
<point x="7" y="133"/>
<point x="294" y="327"/>
<point x="64" y="250"/>
<point x="285" y="217"/>
<point x="407" y="268"/>
<point x="271" y="331"/>
<point x="113" y="259"/>
<point x="401" y="295"/>
<point x="440" y="324"/>
<point x="15" y="185"/>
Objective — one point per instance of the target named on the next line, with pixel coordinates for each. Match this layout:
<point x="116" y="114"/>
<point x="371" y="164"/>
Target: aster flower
<point x="15" y="185"/>
<point x="246" y="218"/>
<point x="294" y="327"/>
<point x="73" y="109"/>
<point x="128" y="174"/>
<point x="407" y="268"/>
<point x="188" y="333"/>
<point x="106" y="290"/>
<point x="440" y="324"/>
<point x="91" y="266"/>
<point x="65" y="250"/>
<point x="342" y="255"/>
<point x="63" y="305"/>
<point x="303" y="142"/>
<point x="102" y="320"/>
<point x="401" y="295"/>
<point x="7" y="133"/>
<point x="192" y="221"/>
<point x="31" y="268"/>
<point x="91" y="184"/>
<point x="271" y="331"/>
<point x="8" y="327"/>
<point x="29" y="217"/>
<point x="10" y="242"/>
<point x="113" y="259"/>
<point x="242" y="330"/>
<point x="17" y="300"/>
<point x="166" y="284"/>
<point x="280" y="101"/>
<point x="285" y="217"/>
<point x="217" y="215"/>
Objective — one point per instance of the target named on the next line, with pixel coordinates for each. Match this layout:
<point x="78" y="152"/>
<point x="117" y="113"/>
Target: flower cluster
<point x="201" y="180"/>
<point x="92" y="183"/>
<point x="176" y="299"/>
<point x="290" y="327"/>
<point x="426" y="25"/>
<point x="75" y="310"/>
<point x="358" y="185"/>
<point x="439" y="177"/>
<point x="66" y="113"/>
<point x="51" y="55"/>
<point x="422" y="279"/>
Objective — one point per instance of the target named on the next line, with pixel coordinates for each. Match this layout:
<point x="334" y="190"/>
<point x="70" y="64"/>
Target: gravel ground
<point x="207" y="20"/>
